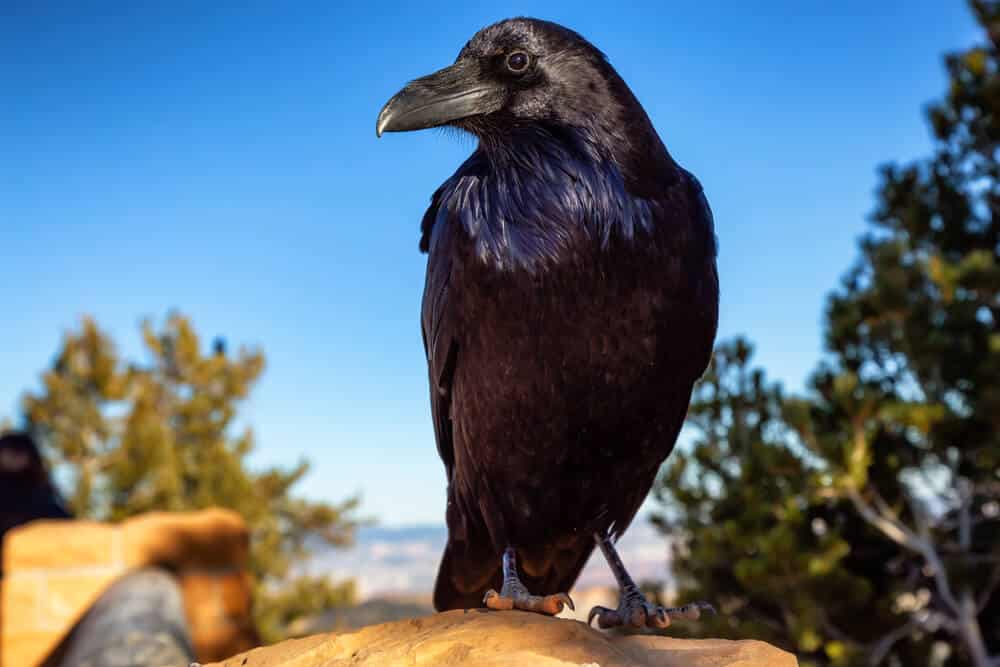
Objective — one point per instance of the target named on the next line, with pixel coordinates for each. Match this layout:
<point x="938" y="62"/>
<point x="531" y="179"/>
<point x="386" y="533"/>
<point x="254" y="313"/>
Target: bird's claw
<point x="494" y="600"/>
<point x="635" y="616"/>
<point x="638" y="613"/>
<point x="565" y="600"/>
<point x="604" y="615"/>
<point x="691" y="611"/>
<point x="548" y="604"/>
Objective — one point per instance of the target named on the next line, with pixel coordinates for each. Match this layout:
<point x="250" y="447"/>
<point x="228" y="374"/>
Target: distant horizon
<point x="222" y="161"/>
<point x="393" y="561"/>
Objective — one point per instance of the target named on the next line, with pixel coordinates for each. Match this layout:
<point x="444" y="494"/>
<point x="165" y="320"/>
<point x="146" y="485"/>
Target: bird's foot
<point x="514" y="595"/>
<point x="635" y="611"/>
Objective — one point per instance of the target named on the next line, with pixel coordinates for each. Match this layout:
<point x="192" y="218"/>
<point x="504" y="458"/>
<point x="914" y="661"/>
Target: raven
<point x="571" y="302"/>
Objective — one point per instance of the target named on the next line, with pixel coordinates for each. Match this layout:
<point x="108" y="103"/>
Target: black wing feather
<point x="438" y="327"/>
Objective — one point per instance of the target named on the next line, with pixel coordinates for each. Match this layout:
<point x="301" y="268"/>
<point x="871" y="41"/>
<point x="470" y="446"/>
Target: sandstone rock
<point x="478" y="637"/>
<point x="54" y="570"/>
<point x="204" y="539"/>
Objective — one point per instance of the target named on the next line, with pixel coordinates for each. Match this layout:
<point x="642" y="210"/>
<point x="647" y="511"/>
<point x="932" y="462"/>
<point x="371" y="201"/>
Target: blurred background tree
<point x="131" y="437"/>
<point x="783" y="562"/>
<point x="870" y="531"/>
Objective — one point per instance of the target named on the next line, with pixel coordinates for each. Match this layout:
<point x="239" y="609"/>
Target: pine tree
<point x="895" y="449"/>
<point x="908" y="406"/>
<point x="781" y="564"/>
<point x="161" y="434"/>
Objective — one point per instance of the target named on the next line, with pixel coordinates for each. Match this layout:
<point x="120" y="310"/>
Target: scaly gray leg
<point x="514" y="595"/>
<point x="633" y="608"/>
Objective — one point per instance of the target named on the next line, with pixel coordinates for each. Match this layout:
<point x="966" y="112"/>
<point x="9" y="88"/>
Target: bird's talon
<point x="691" y="611"/>
<point x="661" y="619"/>
<point x="566" y="600"/>
<point x="505" y="601"/>
<point x="638" y="613"/>
<point x="495" y="601"/>
<point x="594" y="612"/>
<point x="597" y="611"/>
<point x="550" y="604"/>
<point x="606" y="618"/>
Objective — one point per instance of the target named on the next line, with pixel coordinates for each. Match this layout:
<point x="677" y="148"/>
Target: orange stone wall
<point x="55" y="570"/>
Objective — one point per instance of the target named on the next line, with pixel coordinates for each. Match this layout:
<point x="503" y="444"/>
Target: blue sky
<point x="221" y="159"/>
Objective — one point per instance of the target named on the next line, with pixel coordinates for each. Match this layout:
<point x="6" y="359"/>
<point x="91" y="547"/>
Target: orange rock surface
<point x="55" y="570"/>
<point x="478" y="637"/>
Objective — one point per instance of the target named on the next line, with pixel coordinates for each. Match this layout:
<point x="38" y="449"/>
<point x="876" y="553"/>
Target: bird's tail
<point x="462" y="581"/>
<point x="454" y="588"/>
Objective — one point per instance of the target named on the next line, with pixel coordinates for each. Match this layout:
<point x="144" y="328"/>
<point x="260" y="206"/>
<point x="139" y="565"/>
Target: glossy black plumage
<point x="570" y="304"/>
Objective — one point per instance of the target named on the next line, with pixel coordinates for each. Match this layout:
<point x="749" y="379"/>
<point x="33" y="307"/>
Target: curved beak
<point x="448" y="95"/>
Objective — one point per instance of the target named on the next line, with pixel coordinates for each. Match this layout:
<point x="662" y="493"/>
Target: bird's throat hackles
<point x="524" y="209"/>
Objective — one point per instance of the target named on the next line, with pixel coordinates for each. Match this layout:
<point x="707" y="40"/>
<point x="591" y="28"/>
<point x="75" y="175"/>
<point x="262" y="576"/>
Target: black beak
<point x="447" y="95"/>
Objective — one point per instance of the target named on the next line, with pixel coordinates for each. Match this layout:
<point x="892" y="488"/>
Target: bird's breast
<point x="580" y="330"/>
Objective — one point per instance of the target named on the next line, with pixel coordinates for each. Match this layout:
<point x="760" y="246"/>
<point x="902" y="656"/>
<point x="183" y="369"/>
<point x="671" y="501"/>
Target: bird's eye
<point x="517" y="62"/>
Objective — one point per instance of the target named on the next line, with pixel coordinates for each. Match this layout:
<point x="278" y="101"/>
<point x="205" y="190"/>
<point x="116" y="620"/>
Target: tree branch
<point x="886" y="522"/>
<point x="965" y="613"/>
<point x="991" y="585"/>
<point x="881" y="648"/>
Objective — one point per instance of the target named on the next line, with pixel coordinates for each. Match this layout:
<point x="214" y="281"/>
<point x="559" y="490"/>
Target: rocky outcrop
<point x="54" y="570"/>
<point x="479" y="637"/>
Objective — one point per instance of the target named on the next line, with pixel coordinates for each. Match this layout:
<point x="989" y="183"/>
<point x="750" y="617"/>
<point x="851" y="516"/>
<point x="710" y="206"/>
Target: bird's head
<point x="520" y="73"/>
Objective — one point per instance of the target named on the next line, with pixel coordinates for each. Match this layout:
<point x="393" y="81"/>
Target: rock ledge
<point x="478" y="637"/>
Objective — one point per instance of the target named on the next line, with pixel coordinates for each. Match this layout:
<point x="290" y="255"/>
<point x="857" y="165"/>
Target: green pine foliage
<point x="161" y="433"/>
<point x="783" y="562"/>
<point x="860" y="523"/>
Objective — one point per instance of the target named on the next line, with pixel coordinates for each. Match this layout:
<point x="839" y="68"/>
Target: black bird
<point x="570" y="304"/>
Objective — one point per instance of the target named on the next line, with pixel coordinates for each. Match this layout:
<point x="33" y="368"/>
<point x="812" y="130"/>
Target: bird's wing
<point x="438" y="326"/>
<point x="708" y="289"/>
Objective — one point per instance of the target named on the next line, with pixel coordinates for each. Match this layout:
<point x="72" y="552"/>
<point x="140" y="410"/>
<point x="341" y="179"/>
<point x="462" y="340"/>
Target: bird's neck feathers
<point x="528" y="201"/>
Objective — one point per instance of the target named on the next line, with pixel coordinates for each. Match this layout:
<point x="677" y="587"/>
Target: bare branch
<point x="888" y="525"/>
<point x="972" y="634"/>
<point x="965" y="622"/>
<point x="881" y="648"/>
<point x="988" y="589"/>
<point x="965" y="495"/>
<point x="899" y="533"/>
<point x="882" y="506"/>
<point x="919" y="517"/>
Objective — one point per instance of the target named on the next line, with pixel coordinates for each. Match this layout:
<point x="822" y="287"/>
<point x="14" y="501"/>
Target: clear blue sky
<point x="221" y="158"/>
